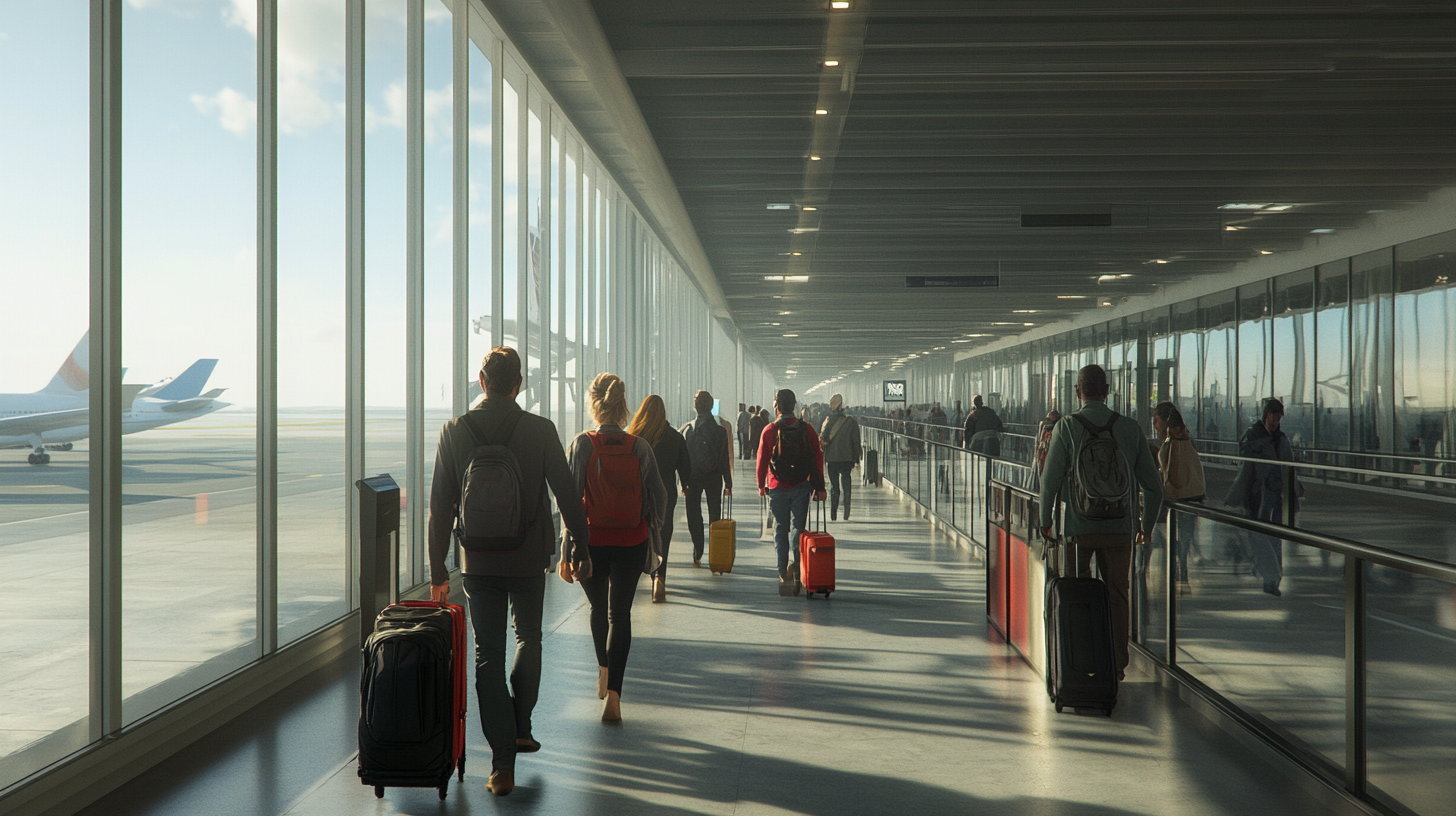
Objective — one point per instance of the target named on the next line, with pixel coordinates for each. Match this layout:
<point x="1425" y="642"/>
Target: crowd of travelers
<point x="617" y="487"/>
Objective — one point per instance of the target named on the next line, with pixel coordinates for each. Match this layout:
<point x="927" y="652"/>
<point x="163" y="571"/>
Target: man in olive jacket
<point x="499" y="582"/>
<point x="1110" y="540"/>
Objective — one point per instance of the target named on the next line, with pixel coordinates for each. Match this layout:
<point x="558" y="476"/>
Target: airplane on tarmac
<point x="58" y="415"/>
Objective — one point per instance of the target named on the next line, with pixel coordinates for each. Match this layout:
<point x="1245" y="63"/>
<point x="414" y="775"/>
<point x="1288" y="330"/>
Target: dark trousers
<point x="610" y="590"/>
<point x="713" y="486"/>
<point x="505" y="713"/>
<point x="1268" y="553"/>
<point x="743" y="451"/>
<point x="839" y="481"/>
<point x="1114" y="561"/>
<point x="666" y="533"/>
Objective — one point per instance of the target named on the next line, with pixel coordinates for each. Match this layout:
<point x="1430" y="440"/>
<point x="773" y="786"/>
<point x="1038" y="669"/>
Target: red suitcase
<point x="816" y="557"/>
<point x="459" y="671"/>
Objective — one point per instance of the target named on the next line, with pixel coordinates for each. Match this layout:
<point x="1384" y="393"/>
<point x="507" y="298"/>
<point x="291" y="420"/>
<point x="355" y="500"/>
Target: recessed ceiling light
<point x="1003" y="324"/>
<point x="1160" y="260"/>
<point x="790" y="370"/>
<point x="802" y="230"/>
<point x="780" y="206"/>
<point x="839" y="5"/>
<point x="773" y="277"/>
<point x="1266" y="252"/>
<point x="1125" y="275"/>
<point x="831" y="63"/>
<point x="978" y="335"/>
<point x="820" y="112"/>
<point x="796" y="278"/>
<point x="796" y="254"/>
<point x="811" y="209"/>
<point x="785" y="313"/>
<point x="1028" y="324"/>
<point x="1025" y="311"/>
<point x="962" y="340"/>
<point x="813" y="158"/>
<point x="791" y="335"/>
<point x="1243" y="206"/>
<point x="1072" y="297"/>
<point x="1322" y="231"/>
<point x="940" y="348"/>
<point x="1279" y="207"/>
<point x="1226" y="228"/>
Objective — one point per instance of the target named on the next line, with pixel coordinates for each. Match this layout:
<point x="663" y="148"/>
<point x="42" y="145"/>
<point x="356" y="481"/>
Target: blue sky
<point x="189" y="221"/>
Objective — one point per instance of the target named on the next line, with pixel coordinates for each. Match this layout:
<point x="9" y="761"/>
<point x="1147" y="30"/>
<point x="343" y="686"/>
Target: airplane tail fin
<point x="75" y="373"/>
<point x="189" y="383"/>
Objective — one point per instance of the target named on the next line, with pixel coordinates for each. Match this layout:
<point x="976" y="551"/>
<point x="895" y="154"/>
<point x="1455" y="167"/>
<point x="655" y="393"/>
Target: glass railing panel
<point x="1410" y="647"/>
<point x="1262" y="623"/>
<point x="1149" y="586"/>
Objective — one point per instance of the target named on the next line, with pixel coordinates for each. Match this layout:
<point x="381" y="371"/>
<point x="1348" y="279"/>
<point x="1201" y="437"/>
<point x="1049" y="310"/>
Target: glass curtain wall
<point x="1293" y="340"/>
<point x="44" y="145"/>
<point x="1425" y="346"/>
<point x="191" y="321"/>
<point x="189" y="154"/>
<point x="1372" y="383"/>
<point x="1332" y="357"/>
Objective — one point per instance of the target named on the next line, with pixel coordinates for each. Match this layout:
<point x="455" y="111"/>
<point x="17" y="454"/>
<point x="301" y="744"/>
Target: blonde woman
<point x="623" y="495"/>
<point x="671" y="452"/>
<point x="1182" y="472"/>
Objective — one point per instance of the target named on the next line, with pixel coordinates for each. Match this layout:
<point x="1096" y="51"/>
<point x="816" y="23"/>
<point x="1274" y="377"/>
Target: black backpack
<point x="791" y="462"/>
<point x="1100" y="476"/>
<point x="702" y="448"/>
<point x="492" y="502"/>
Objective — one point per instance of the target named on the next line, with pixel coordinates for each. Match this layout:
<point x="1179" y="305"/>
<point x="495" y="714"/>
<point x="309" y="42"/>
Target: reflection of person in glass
<point x="1259" y="489"/>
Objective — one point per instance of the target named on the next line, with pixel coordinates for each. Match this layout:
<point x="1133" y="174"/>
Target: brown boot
<point x="659" y="590"/>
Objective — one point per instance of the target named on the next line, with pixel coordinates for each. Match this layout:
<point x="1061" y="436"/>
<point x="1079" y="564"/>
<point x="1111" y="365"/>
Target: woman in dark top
<point x="671" y="452"/>
<point x="757" y="424"/>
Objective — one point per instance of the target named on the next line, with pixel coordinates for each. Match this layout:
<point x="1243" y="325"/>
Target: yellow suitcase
<point x="723" y="541"/>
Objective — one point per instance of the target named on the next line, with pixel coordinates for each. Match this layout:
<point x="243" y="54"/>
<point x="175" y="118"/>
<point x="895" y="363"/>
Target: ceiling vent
<point x="951" y="281"/>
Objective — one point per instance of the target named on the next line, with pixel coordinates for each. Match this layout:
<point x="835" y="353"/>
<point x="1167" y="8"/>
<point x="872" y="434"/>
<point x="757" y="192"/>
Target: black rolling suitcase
<point x="412" y="698"/>
<point x="872" y="467"/>
<point x="1081" y="665"/>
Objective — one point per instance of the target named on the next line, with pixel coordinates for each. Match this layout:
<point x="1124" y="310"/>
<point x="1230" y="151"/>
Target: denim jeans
<point x="505" y="713"/>
<point x="790" y="507"/>
<point x="1268" y="553"/>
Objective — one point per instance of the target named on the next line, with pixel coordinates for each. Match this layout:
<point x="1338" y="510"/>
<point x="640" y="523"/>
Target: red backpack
<point x="613" y="495"/>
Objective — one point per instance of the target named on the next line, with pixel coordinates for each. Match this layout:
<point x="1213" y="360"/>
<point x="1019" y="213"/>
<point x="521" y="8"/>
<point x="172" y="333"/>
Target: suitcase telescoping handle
<point x="819" y="523"/>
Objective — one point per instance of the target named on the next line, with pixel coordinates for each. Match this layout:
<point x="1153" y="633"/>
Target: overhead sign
<point x="894" y="390"/>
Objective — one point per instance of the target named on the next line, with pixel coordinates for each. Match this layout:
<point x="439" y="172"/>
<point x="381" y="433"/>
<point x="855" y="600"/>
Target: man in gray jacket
<point x="513" y="580"/>
<point x="711" y="459"/>
<point x="1109" y="539"/>
<point x="840" y="439"/>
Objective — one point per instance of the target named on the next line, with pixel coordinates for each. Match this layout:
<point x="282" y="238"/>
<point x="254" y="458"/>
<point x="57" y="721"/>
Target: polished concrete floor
<point x="891" y="695"/>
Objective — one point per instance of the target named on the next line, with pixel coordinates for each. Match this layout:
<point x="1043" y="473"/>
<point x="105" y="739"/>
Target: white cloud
<point x="235" y="112"/>
<point x="480" y="134"/>
<point x="395" y="107"/>
<point x="437" y="113"/>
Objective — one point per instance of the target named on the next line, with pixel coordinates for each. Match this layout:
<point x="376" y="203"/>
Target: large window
<point x="43" y="341"/>
<point x="1332" y="357"/>
<point x="189" y="210"/>
<point x="313" y="568"/>
<point x="1292" y="328"/>
<point x="1372" y="383"/>
<point x="1425" y="345"/>
<point x="1217" y="356"/>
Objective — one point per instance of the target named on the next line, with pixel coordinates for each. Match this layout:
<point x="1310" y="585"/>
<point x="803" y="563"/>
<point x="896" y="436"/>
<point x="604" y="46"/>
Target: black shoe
<point x="846" y="512"/>
<point x="1273" y="589"/>
<point x="526" y="745"/>
<point x="833" y="513"/>
<point x="1120" y="675"/>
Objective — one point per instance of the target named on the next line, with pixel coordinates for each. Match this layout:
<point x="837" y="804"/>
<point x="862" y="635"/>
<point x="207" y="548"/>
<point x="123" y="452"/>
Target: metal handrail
<point x="1331" y="452"/>
<point x="1439" y="570"/>
<point x="954" y="447"/>
<point x="953" y="428"/>
<point x="1384" y="474"/>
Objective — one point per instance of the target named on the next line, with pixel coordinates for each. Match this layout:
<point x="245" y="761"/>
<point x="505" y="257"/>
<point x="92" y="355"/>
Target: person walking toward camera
<point x="622" y="493"/>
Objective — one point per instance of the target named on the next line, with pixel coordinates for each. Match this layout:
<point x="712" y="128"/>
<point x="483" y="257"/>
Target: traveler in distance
<point x="671" y="453"/>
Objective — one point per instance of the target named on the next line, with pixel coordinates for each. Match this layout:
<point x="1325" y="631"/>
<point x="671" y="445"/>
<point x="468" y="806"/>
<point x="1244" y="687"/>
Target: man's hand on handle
<point x="820" y="495"/>
<point x="440" y="593"/>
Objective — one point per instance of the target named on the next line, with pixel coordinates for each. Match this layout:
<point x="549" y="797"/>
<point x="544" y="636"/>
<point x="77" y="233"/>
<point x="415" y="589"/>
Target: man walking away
<point x="711" y="465"/>
<point x="840" y="440"/>
<point x="957" y="417"/>
<point x="790" y="471"/>
<point x="745" y="422"/>
<point x="983" y="429"/>
<point x="1087" y="466"/>
<point x="494" y="438"/>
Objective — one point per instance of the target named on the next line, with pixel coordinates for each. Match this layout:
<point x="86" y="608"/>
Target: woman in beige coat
<point x="1182" y="474"/>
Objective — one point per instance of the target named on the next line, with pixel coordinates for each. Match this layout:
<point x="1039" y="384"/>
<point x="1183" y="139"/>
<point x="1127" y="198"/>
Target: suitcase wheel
<point x="378" y="791"/>
<point x="462" y="769"/>
<point x="444" y="789"/>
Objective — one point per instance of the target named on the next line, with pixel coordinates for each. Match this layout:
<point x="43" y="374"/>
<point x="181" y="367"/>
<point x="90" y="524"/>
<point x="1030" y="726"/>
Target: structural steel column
<point x="267" y="401"/>
<point x="353" y="284"/>
<point x="414" y="419"/>
<point x="105" y="374"/>
<point x="460" y="208"/>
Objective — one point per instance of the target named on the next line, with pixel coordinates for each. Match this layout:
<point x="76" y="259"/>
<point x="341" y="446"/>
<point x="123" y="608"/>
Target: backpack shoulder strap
<point x="1087" y="424"/>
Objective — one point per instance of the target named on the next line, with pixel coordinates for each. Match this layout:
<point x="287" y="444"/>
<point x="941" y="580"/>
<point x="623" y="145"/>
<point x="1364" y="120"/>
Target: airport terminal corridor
<point x="891" y="695"/>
